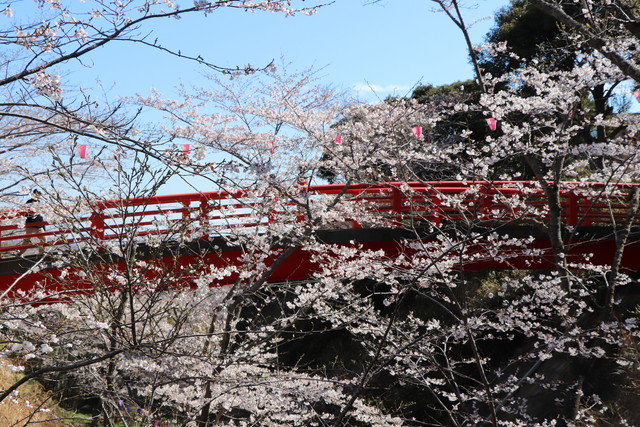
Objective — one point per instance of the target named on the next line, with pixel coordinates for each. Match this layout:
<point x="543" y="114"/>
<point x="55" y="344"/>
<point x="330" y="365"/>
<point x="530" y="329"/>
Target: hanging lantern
<point x="338" y="139"/>
<point x="272" y="146"/>
<point x="637" y="94"/>
<point x="492" y="122"/>
<point x="82" y="149"/>
<point x="186" y="149"/>
<point x="417" y="130"/>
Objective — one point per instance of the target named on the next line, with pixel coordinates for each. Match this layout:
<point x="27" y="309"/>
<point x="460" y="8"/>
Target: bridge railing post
<point x="186" y="213"/>
<point x="204" y="219"/>
<point x="97" y="225"/>
<point x="586" y="218"/>
<point x="436" y="211"/>
<point x="396" y="206"/>
<point x="486" y="203"/>
<point x="572" y="208"/>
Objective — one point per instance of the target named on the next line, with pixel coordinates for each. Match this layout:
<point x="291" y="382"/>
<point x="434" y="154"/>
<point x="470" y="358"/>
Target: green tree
<point x="535" y="36"/>
<point x="531" y="35"/>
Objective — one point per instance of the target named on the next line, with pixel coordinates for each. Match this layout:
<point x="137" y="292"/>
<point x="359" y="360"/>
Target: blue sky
<point x="387" y="47"/>
<point x="373" y="49"/>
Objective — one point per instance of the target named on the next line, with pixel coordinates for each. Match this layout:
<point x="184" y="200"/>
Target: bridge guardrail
<point x="397" y="203"/>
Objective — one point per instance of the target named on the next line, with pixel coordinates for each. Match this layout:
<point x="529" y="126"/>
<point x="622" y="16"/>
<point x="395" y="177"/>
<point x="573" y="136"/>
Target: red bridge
<point x="390" y="215"/>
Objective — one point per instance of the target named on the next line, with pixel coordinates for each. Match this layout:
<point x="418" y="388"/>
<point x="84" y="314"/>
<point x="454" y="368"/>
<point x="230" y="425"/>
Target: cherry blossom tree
<point x="415" y="332"/>
<point x="43" y="112"/>
<point x="412" y="335"/>
<point x="372" y="298"/>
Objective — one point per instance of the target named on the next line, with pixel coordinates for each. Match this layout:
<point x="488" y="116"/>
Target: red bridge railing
<point x="201" y="215"/>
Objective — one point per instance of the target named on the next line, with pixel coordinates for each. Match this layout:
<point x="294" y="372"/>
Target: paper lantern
<point x="82" y="149"/>
<point x="338" y="139"/>
<point x="492" y="122"/>
<point x="417" y="130"/>
<point x="637" y="94"/>
<point x="186" y="148"/>
<point x="272" y="145"/>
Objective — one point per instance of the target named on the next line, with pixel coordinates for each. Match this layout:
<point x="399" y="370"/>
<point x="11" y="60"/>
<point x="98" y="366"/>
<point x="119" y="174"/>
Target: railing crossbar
<point x="221" y="212"/>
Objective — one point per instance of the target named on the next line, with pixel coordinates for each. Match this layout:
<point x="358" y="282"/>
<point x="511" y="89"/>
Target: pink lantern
<point x="272" y="145"/>
<point x="417" y="130"/>
<point x="338" y="139"/>
<point x="186" y="148"/>
<point x="637" y="94"/>
<point x="492" y="122"/>
<point x="82" y="149"/>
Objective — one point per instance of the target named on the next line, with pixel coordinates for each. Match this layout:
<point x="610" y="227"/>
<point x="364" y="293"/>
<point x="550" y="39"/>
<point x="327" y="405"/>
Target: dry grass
<point x="30" y="405"/>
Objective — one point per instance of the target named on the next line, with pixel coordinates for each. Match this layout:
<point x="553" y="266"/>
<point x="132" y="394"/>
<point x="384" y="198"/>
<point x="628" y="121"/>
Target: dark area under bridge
<point x="412" y="212"/>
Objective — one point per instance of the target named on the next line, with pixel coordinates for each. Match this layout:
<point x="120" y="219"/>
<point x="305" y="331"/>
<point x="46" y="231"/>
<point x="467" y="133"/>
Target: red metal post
<point x="572" y="208"/>
<point x="437" y="214"/>
<point x="485" y="200"/>
<point x="186" y="214"/>
<point x="204" y="219"/>
<point x="97" y="225"/>
<point x="396" y="205"/>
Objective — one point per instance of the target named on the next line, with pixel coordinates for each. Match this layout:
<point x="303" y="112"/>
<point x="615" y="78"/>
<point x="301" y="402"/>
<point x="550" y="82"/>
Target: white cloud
<point x="371" y="88"/>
